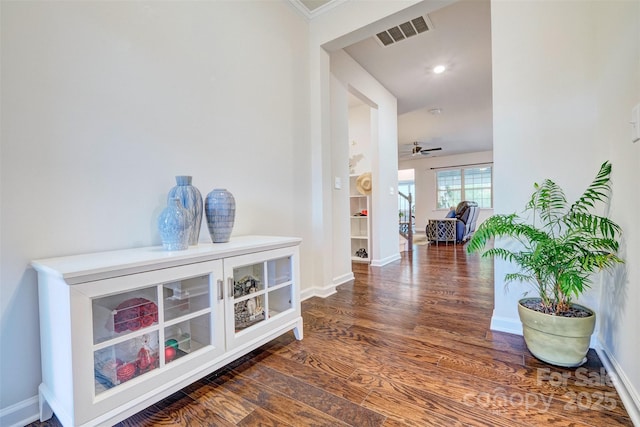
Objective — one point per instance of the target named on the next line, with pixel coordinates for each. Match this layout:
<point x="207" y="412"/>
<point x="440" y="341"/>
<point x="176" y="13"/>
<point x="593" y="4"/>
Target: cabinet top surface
<point x="100" y="265"/>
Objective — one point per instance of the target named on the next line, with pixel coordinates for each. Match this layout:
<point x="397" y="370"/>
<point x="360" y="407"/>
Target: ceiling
<point x="314" y="4"/>
<point x="460" y="39"/>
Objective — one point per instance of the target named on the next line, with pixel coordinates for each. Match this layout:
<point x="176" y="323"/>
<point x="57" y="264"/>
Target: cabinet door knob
<point x="230" y="281"/>
<point x="220" y="289"/>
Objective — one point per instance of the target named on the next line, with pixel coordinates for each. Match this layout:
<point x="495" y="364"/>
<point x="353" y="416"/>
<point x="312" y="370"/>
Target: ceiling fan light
<point x="416" y="148"/>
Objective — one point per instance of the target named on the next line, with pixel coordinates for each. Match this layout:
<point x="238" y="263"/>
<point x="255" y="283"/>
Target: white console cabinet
<point x="121" y="330"/>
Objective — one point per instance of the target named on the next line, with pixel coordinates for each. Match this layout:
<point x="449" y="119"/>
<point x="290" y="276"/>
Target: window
<point x="477" y="186"/>
<point x="406" y="188"/>
<point x="449" y="184"/>
<point x="473" y="184"/>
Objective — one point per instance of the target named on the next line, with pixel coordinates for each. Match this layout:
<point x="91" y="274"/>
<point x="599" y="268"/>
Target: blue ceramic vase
<point x="174" y="225"/>
<point x="191" y="200"/>
<point x="220" y="208"/>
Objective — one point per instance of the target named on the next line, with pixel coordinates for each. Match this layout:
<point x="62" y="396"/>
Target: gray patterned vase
<point x="174" y="225"/>
<point x="220" y="207"/>
<point x="191" y="200"/>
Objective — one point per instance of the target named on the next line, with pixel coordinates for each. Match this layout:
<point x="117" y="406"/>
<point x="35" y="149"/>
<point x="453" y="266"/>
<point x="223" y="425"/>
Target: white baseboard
<point x="340" y="280"/>
<point x="506" y="324"/>
<point x="327" y="290"/>
<point x="627" y="392"/>
<point x="21" y="413"/>
<point x="384" y="261"/>
<point x="317" y="292"/>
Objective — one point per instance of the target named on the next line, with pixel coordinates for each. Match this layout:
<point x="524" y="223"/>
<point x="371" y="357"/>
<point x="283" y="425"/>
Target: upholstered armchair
<point x="458" y="225"/>
<point x="467" y="215"/>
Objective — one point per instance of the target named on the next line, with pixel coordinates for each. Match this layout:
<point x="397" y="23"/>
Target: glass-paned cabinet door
<point x="124" y="313"/>
<point x="261" y="287"/>
<point x="146" y="328"/>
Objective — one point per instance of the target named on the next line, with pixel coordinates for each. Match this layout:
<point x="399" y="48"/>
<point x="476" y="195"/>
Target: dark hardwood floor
<point x="406" y="344"/>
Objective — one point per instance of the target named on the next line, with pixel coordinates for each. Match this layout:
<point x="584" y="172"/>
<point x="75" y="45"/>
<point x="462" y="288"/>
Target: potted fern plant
<point x="557" y="246"/>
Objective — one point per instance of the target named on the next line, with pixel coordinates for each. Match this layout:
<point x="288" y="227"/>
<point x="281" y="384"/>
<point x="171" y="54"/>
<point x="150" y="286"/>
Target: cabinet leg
<point x="45" y="410"/>
<point x="298" y="330"/>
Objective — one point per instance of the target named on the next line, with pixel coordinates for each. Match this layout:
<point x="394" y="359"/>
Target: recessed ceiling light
<point x="438" y="69"/>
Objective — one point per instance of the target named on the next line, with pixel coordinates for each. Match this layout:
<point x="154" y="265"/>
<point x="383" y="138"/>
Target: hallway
<point x="407" y="344"/>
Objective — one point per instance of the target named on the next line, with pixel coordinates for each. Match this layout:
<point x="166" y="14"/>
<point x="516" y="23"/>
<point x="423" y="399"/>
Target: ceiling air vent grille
<point x="405" y="30"/>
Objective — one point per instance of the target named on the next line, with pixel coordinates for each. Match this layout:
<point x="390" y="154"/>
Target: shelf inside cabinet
<point x="281" y="285"/>
<point x="187" y="317"/>
<point x="203" y="291"/>
<point x="249" y="296"/>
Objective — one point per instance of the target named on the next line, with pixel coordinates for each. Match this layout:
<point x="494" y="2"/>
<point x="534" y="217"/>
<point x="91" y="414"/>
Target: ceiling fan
<point x="418" y="150"/>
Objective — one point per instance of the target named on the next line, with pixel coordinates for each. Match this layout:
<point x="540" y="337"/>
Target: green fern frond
<point x="592" y="224"/>
<point x="519" y="277"/>
<point x="500" y="253"/>
<point x="560" y="245"/>
<point x="598" y="191"/>
<point x="549" y="201"/>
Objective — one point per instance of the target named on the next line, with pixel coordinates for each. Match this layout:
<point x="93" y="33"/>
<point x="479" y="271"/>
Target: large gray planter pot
<point x="561" y="341"/>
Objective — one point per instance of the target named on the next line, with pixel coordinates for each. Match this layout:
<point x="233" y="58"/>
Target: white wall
<point x="359" y="139"/>
<point x="618" y="89"/>
<point x="565" y="75"/>
<point x="341" y="244"/>
<point x="544" y="108"/>
<point x="331" y="31"/>
<point x="425" y="183"/>
<point x="103" y="103"/>
<point x="384" y="173"/>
